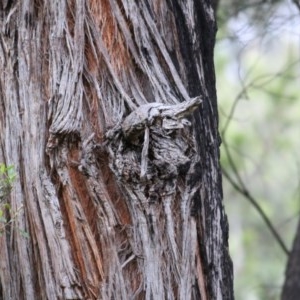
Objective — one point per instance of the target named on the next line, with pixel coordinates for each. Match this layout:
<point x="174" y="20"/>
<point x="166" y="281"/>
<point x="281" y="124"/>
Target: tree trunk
<point x="121" y="199"/>
<point x="291" y="287"/>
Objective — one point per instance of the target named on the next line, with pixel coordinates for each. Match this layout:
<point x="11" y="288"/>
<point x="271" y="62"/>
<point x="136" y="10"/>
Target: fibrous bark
<point x="117" y="162"/>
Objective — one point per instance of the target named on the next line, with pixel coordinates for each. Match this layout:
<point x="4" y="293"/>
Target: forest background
<point x="257" y="69"/>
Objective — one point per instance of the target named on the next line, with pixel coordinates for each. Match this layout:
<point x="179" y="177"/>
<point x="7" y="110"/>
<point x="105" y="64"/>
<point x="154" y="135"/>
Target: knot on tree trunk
<point x="153" y="144"/>
<point x="153" y="154"/>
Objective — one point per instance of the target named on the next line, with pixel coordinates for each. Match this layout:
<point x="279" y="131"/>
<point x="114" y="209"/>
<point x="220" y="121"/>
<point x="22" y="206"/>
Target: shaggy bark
<point x="122" y="199"/>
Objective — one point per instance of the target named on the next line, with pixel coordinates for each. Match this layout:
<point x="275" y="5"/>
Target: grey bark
<point x="291" y="287"/>
<point x="118" y="204"/>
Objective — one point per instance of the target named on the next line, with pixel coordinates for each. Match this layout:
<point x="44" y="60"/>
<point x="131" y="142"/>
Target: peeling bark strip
<point x="122" y="197"/>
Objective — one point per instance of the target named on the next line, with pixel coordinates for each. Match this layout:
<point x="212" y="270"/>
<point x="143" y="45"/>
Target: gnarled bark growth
<point x="122" y="198"/>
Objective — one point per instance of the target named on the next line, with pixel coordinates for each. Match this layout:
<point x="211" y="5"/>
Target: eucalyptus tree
<point x="108" y="114"/>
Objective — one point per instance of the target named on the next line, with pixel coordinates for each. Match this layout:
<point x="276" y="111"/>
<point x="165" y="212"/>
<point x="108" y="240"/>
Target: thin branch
<point x="242" y="189"/>
<point x="267" y="79"/>
<point x="239" y="184"/>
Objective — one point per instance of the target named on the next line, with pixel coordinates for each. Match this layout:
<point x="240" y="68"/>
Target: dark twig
<point x="242" y="189"/>
<point x="239" y="184"/>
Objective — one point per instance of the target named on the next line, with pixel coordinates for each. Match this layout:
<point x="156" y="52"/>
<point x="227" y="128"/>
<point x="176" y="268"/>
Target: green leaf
<point x="2" y="168"/>
<point x="7" y="206"/>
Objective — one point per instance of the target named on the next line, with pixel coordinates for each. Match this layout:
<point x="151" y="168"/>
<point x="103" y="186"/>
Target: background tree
<point x="115" y="207"/>
<point x="291" y="287"/>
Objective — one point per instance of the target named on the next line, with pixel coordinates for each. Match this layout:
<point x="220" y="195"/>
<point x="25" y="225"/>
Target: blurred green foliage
<point x="8" y="215"/>
<point x="258" y="70"/>
<point x="7" y="177"/>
